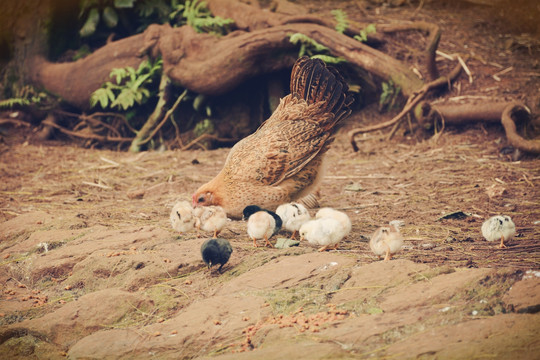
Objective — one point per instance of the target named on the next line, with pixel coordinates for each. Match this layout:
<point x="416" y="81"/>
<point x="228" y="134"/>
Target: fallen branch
<point x="48" y="122"/>
<point x="165" y="118"/>
<point x="15" y="122"/>
<point x="434" y="36"/>
<point x="412" y="101"/>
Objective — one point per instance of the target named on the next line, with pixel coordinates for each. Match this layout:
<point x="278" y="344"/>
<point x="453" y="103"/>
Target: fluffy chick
<point x="182" y="219"/>
<point x="499" y="227"/>
<point x="325" y="232"/>
<point x="210" y="219"/>
<point x="261" y="223"/>
<point x="283" y="160"/>
<point x="387" y="240"/>
<point x="340" y="216"/>
<point x="216" y="251"/>
<point x="293" y="215"/>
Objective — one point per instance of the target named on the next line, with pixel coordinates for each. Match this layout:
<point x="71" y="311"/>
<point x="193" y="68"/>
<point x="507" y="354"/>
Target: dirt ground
<point x="90" y="267"/>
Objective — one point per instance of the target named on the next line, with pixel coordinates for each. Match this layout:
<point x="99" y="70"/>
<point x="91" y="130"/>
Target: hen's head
<point x="203" y="198"/>
<point x="207" y="195"/>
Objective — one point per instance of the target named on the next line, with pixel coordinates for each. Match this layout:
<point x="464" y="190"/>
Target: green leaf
<point x="374" y="311"/>
<point x="110" y="17"/>
<point x="100" y="96"/>
<point x="198" y="101"/>
<point x="123" y="4"/>
<point x="9" y="103"/>
<point x="119" y="73"/>
<point x="341" y="19"/>
<point x="90" y="25"/>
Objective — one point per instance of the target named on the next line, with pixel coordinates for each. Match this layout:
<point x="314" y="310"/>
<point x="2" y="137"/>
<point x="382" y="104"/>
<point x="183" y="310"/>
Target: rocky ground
<point x="90" y="267"/>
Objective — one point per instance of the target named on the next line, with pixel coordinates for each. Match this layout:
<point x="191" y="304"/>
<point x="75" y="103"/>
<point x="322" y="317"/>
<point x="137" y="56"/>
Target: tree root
<point x="434" y="36"/>
<point x="492" y="111"/>
<point x="412" y="101"/>
<point x="89" y="136"/>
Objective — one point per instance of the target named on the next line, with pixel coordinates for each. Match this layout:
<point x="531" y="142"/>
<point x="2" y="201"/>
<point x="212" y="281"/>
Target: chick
<point x="182" y="219"/>
<point x="283" y="160"/>
<point x="387" y="240"/>
<point x="293" y="215"/>
<point x="261" y="223"/>
<point x="210" y="219"/>
<point x="499" y="227"/>
<point x="325" y="232"/>
<point x="340" y="216"/>
<point x="216" y="251"/>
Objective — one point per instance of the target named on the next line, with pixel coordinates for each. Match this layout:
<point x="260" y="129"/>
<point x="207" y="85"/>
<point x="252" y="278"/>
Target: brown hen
<point x="282" y="160"/>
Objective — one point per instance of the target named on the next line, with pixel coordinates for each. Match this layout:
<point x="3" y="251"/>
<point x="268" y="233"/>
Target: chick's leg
<point x="293" y="236"/>
<point x="324" y="248"/>
<point x="268" y="243"/>
<point x="502" y="246"/>
<point x="255" y="242"/>
<point x="388" y="255"/>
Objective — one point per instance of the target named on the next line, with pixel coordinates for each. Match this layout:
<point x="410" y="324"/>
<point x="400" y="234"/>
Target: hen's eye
<point x="201" y="199"/>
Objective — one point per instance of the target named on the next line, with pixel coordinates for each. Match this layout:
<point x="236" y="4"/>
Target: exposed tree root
<point x="412" y="101"/>
<point x="476" y="110"/>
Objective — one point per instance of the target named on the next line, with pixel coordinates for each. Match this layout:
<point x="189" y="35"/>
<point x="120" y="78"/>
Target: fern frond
<point x="306" y="40"/>
<point x="10" y="103"/>
<point x="341" y="19"/>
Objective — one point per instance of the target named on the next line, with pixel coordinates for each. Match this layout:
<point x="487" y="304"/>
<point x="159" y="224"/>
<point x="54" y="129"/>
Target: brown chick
<point x="282" y="160"/>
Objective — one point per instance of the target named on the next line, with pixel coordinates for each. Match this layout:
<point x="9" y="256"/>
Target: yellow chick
<point x="261" y="224"/>
<point x="387" y="240"/>
<point x="210" y="219"/>
<point x="293" y="215"/>
<point x="325" y="232"/>
<point x="499" y="227"/>
<point x="340" y="216"/>
<point x="182" y="219"/>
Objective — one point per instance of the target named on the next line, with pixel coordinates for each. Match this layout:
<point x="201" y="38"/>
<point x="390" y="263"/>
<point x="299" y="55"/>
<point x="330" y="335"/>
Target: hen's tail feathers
<point x="314" y="82"/>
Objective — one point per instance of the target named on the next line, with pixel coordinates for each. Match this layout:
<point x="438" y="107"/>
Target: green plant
<point x="23" y="97"/>
<point x="341" y="19"/>
<point x="131" y="86"/>
<point x="122" y="15"/>
<point x="362" y="36"/>
<point x="96" y="13"/>
<point x="197" y="15"/>
<point x="309" y="46"/>
<point x="389" y="95"/>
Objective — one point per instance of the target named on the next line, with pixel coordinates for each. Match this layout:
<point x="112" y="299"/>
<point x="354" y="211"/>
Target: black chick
<point x="216" y="251"/>
<point x="252" y="209"/>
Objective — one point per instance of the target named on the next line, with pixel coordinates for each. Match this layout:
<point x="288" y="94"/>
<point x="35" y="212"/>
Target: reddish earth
<point x="90" y="267"/>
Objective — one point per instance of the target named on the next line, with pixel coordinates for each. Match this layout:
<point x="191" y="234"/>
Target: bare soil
<point x="90" y="267"/>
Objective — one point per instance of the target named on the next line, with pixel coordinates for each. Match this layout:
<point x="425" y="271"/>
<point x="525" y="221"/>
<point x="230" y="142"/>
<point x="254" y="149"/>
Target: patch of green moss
<point x="433" y="272"/>
<point x="484" y="297"/>
<point x="287" y="301"/>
